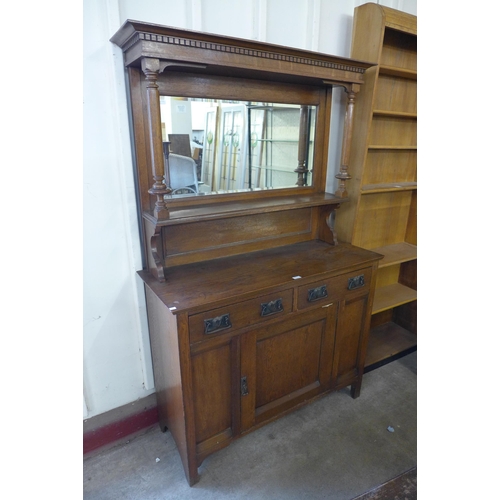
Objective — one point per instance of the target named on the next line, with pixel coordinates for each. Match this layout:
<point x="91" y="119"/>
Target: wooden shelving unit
<point x="382" y="207"/>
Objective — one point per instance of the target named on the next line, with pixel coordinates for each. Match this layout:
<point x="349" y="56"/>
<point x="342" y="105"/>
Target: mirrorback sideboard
<point x="254" y="306"/>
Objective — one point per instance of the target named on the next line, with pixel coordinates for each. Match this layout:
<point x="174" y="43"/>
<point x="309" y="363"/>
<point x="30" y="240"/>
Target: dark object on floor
<point x="402" y="487"/>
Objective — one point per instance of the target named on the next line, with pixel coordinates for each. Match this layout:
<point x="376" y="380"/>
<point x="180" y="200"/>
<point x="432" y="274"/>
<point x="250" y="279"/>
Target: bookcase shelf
<point x="391" y="146"/>
<point x="395" y="114"/>
<point x="388" y="187"/>
<point x="398" y="72"/>
<point x="396" y="254"/>
<point x="381" y="213"/>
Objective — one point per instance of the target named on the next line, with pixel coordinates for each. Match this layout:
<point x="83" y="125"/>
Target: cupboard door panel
<point x="287" y="363"/>
<point x="212" y="381"/>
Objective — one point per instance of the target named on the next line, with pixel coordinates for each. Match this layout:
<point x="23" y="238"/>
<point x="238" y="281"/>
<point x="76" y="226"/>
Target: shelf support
<point x="343" y="175"/>
<point x="151" y="69"/>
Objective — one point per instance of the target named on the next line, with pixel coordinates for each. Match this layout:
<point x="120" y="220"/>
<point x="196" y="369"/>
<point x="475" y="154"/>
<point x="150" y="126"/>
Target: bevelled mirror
<point x="215" y="146"/>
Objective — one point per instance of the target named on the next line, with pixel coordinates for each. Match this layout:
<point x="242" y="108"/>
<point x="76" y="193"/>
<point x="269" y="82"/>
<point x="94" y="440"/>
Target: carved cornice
<point x="234" y="49"/>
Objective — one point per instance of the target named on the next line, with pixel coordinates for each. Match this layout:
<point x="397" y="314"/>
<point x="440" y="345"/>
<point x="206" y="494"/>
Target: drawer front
<point x="215" y="322"/>
<point x="343" y="286"/>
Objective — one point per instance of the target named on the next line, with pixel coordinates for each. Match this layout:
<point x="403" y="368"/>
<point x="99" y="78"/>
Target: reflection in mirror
<point x="215" y="146"/>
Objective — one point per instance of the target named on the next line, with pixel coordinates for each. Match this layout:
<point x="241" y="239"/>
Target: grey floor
<point x="335" y="448"/>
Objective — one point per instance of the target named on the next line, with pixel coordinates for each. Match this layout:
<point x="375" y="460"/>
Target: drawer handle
<point x="272" y="307"/>
<point x="317" y="293"/>
<point x="217" y="324"/>
<point x="356" y="282"/>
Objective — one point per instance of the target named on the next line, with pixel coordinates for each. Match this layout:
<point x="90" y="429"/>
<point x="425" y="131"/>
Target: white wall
<point x="116" y="355"/>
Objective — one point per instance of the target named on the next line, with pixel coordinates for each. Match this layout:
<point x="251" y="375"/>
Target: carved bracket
<point x="156" y="246"/>
<point x="327" y="224"/>
<point x="330" y="222"/>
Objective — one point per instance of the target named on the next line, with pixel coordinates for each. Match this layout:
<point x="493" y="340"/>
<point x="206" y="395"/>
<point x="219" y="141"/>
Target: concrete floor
<point x="335" y="448"/>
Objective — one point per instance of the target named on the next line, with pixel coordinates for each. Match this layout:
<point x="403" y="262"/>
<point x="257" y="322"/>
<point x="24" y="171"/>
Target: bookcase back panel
<point x="377" y="213"/>
<point x="389" y="165"/>
<point x="391" y="131"/>
<point x="388" y="276"/>
<point x="399" y="49"/>
<point x="396" y="94"/>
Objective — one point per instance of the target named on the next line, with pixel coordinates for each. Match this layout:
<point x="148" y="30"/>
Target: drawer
<point x="343" y="286"/>
<point x="214" y="322"/>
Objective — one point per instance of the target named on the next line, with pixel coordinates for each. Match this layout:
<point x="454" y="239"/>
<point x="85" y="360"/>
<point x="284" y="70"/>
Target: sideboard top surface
<point x="196" y="285"/>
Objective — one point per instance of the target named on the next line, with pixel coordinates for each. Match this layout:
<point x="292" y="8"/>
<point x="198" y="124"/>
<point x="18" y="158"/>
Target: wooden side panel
<point x="411" y="230"/>
<point x="348" y="339"/>
<point x="167" y="372"/>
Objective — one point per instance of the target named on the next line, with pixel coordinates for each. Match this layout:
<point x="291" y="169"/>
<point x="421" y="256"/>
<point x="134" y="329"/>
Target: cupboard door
<point x="286" y="363"/>
<point x="350" y="342"/>
<point x="215" y="380"/>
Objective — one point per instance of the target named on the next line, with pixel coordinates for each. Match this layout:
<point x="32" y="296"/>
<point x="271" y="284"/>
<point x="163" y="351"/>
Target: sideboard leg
<point x="355" y="390"/>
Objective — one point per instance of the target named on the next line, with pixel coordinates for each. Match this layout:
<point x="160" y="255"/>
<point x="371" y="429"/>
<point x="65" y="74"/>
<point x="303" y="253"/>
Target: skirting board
<point x="120" y="424"/>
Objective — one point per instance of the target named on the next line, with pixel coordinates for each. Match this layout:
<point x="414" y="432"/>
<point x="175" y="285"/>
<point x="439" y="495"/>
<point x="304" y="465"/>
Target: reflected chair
<point x="183" y="177"/>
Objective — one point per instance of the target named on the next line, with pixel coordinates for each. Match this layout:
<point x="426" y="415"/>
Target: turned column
<point x="343" y="174"/>
<point x="303" y="146"/>
<point x="151" y="69"/>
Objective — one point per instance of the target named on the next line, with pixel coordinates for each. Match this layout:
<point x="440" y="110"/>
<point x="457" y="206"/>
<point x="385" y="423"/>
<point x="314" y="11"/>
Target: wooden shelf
<point x="395" y="114"/>
<point x="195" y="210"/>
<point x="388" y="187"/>
<point x="388" y="342"/>
<point x="399" y="72"/>
<point x="391" y="296"/>
<point x="396" y="254"/>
